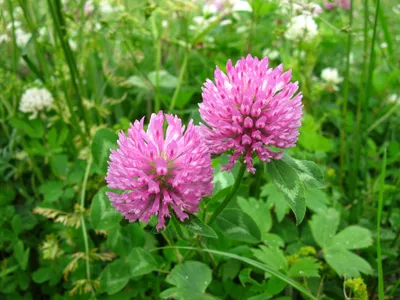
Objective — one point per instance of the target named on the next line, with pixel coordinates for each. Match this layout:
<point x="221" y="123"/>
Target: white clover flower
<point x="242" y="6"/>
<point x="302" y="27"/>
<point x="164" y="24"/>
<point x="4" y="38"/>
<point x="35" y="100"/>
<point x="73" y="45"/>
<point x="88" y="7"/>
<point x="22" y="37"/>
<point x="331" y="75"/>
<point x="271" y="54"/>
<point x="210" y="9"/>
<point x="300" y="7"/>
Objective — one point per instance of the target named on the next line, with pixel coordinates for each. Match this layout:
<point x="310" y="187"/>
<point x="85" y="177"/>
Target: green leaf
<point x="104" y="139"/>
<point x="7" y="194"/>
<point x="190" y="279"/>
<point x="59" y="164"/>
<point x="222" y="180"/>
<point x="33" y="128"/>
<point x="166" y="80"/>
<point x="308" y="172"/>
<point x="137" y="82"/>
<point x="16" y="224"/>
<point x="42" y="275"/>
<point x="316" y="200"/>
<point x="239" y="226"/>
<point x="259" y="211"/>
<point x="276" y="199"/>
<point x="21" y="255"/>
<point x="114" y="277"/>
<point x="195" y="225"/>
<point x="288" y="182"/>
<point x="140" y="262"/>
<point x="103" y="215"/>
<point x="352" y="237"/>
<point x="121" y="239"/>
<point x="324" y="226"/>
<point x="272" y="257"/>
<point x="273" y="240"/>
<point x="275" y="285"/>
<point x="258" y="265"/>
<point x="346" y="263"/>
<point x="304" y="267"/>
<point x="51" y="190"/>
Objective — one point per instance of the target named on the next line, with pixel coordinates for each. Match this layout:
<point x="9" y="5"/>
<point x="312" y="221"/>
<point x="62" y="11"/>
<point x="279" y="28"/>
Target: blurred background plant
<point x="73" y="73"/>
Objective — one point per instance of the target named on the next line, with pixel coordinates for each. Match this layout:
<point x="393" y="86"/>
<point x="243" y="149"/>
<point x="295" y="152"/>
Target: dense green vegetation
<point x="322" y="223"/>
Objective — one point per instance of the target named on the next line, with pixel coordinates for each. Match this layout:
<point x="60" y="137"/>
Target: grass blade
<point x="378" y="230"/>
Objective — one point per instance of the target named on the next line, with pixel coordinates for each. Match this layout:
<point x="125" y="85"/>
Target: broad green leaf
<point x="190" y="279"/>
<point x="304" y="267"/>
<point x="103" y="141"/>
<point x="114" y="277"/>
<point x="258" y="265"/>
<point x="222" y="180"/>
<point x="275" y="199"/>
<point x="275" y="285"/>
<point x="59" y="164"/>
<point x="195" y="225"/>
<point x="259" y="211"/>
<point x="33" y="128"/>
<point x="352" y="237"/>
<point x="51" y="190"/>
<point x="273" y="240"/>
<point x="311" y="138"/>
<point x="308" y="172"/>
<point x="239" y="226"/>
<point x="42" y="275"/>
<point x="21" y="254"/>
<point x="272" y="257"/>
<point x="102" y="215"/>
<point x="316" y="200"/>
<point x="346" y="263"/>
<point x="166" y="80"/>
<point x="7" y="194"/>
<point x="140" y="262"/>
<point x="324" y="226"/>
<point x="16" y="224"/>
<point x="121" y="239"/>
<point x="288" y="182"/>
<point x="137" y="82"/>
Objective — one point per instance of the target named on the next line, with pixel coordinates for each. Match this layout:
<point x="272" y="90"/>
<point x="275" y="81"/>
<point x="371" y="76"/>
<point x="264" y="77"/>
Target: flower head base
<point x="250" y="109"/>
<point x="157" y="173"/>
<point x="35" y="100"/>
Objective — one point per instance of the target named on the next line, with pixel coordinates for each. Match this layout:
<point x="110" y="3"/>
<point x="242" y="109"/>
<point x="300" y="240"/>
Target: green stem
<point x="82" y="204"/>
<point x="180" y="80"/>
<point x="177" y="226"/>
<point x="378" y="230"/>
<point x="230" y="195"/>
<point x="157" y="46"/>
<point x="346" y="97"/>
<point x="383" y="118"/>
<point x="59" y="24"/>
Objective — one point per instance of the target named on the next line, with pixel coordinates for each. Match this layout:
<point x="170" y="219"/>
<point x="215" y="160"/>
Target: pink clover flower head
<point x="345" y="4"/>
<point x="250" y="109"/>
<point x="157" y="172"/>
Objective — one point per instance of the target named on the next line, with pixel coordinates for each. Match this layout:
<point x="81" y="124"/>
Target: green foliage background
<point x="60" y="237"/>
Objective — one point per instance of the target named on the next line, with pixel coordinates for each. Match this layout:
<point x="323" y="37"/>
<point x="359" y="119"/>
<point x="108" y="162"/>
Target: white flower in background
<point x="164" y="23"/>
<point x="300" y="7"/>
<point x="21" y="37"/>
<point x="331" y="75"/>
<point x="88" y="7"/>
<point x="35" y="100"/>
<point x="302" y="27"/>
<point x="393" y="99"/>
<point x="73" y="45"/>
<point x="225" y="22"/>
<point x="242" y="6"/>
<point x="210" y="8"/>
<point x="201" y="23"/>
<point x="16" y="25"/>
<point x="4" y="38"/>
<point x="271" y="54"/>
<point x="242" y="29"/>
